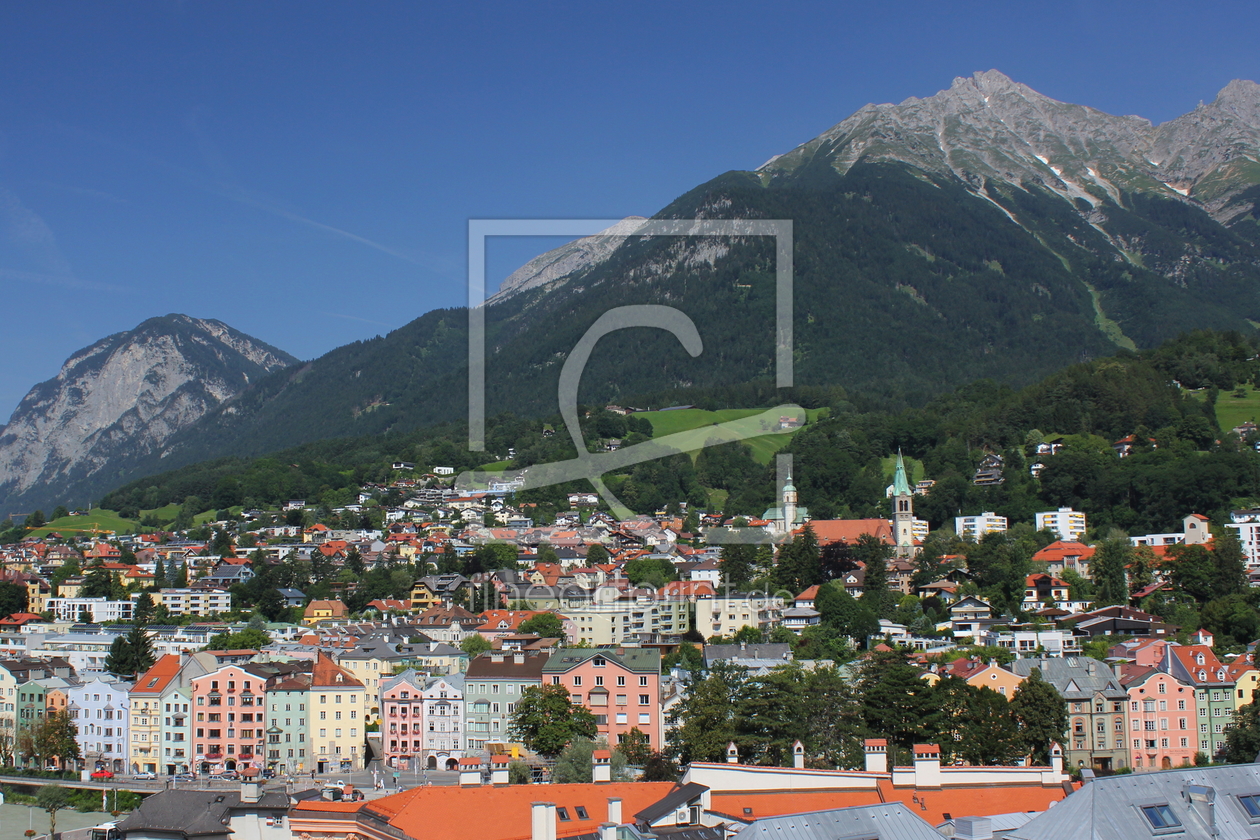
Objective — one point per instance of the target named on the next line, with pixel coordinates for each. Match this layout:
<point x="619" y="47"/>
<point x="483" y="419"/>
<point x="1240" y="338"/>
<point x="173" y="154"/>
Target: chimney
<point x="251" y="791"/>
<point x="538" y="820"/>
<point x="469" y="771"/>
<point x="1205" y="796"/>
<point x="732" y="754"/>
<point x="798" y="755"/>
<point x="614" y="810"/>
<point x="601" y="767"/>
<point x="1056" y="758"/>
<point x="518" y="658"/>
<point x="608" y="831"/>
<point x="743" y="646"/>
<point x="550" y="822"/>
<point x="876" y="755"/>
<point x="973" y="828"/>
<point x="499" y="769"/>
<point x="927" y="766"/>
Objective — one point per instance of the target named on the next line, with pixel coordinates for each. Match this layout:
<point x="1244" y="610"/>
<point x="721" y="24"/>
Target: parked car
<point x="146" y="776"/>
<point x="268" y="773"/>
<point x="225" y="776"/>
<point x="185" y="777"/>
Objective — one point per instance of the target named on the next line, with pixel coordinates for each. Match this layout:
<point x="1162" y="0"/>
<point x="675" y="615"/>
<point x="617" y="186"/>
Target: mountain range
<point x="984" y="232"/>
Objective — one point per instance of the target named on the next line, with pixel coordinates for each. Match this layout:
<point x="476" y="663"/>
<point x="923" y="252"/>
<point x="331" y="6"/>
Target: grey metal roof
<point x="887" y="821"/>
<point x="1075" y="677"/>
<point x="1110" y="808"/>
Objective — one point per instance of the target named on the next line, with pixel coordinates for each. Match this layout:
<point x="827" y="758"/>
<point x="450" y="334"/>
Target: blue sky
<point x="305" y="171"/>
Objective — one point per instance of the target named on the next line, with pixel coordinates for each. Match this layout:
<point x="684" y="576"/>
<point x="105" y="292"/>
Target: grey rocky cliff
<point x="988" y="127"/>
<point x="120" y="399"/>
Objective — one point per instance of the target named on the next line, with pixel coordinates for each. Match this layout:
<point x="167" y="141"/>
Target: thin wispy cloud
<point x="227" y="187"/>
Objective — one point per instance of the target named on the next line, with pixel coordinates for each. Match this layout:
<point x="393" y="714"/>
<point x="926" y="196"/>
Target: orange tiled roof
<point x="485" y="812"/>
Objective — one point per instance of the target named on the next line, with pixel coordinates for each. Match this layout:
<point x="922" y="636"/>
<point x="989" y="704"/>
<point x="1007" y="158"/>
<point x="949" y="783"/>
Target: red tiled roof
<point x="156" y="679"/>
<point x="849" y="530"/>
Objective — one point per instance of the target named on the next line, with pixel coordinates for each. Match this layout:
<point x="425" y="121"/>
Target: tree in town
<point x="991" y="735"/>
<point x="735" y="564"/>
<point x="636" y="746"/>
<point x="13" y="598"/>
<point x="52" y="798"/>
<point x="875" y="554"/>
<point x="546" y="721"/>
<point x="897" y="703"/>
<point x="705" y="721"/>
<point x="1041" y="714"/>
<point x="54" y="738"/>
<point x="574" y="764"/>
<point x="354" y="561"/>
<point x="143" y="611"/>
<point x="1242" y="741"/>
<point x="140" y="644"/>
<point x="595" y="554"/>
<point x="118" y="660"/>
<point x="474" y="645"/>
<point x="248" y="639"/>
<point x="1109" y="571"/>
<point x="547" y="625"/>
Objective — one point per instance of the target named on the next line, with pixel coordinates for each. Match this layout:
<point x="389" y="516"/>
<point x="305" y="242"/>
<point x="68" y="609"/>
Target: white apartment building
<point x="975" y="527"/>
<point x="1067" y="523"/>
<point x="615" y="622"/>
<point x="101" y="610"/>
<point x="1246" y="523"/>
<point x="200" y="602"/>
<point x="725" y="615"/>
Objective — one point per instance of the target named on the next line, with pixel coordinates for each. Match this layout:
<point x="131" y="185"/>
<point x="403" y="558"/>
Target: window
<point x="1163" y="689"/>
<point x="1251" y="804"/>
<point x="581" y="813"/>
<point x="643" y="681"/>
<point x="562" y="814"/>
<point x="621" y="680"/>
<point x="577" y="680"/>
<point x="1160" y="816"/>
<point x="644" y="700"/>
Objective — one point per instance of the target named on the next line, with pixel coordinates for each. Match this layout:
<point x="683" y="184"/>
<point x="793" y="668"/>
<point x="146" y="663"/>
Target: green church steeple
<point x="901" y="485"/>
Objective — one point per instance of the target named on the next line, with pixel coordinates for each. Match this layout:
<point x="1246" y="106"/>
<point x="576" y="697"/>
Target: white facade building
<point x="100" y="711"/>
<point x="1246" y="523"/>
<point x="1067" y="523"/>
<point x="200" y="602"/>
<point x="102" y="610"/>
<point x="725" y="615"/>
<point x="975" y="527"/>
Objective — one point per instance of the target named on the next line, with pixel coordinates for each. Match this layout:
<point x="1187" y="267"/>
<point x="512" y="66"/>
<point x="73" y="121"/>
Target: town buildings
<point x="621" y="687"/>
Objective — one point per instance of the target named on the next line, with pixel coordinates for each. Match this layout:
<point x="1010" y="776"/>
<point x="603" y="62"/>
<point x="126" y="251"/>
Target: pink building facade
<point x="228" y="732"/>
<point x="621" y="687"/>
<point x="1162" y="720"/>
<point x="422" y="721"/>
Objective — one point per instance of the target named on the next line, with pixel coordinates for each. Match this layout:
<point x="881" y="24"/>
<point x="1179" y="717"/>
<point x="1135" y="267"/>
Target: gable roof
<point x="156" y="679"/>
<point x="849" y="530"/>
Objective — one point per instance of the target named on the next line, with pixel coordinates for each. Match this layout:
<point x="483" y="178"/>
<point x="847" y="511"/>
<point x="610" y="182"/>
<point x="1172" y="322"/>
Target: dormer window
<point x="1203" y="676"/>
<point x="1199" y="660"/>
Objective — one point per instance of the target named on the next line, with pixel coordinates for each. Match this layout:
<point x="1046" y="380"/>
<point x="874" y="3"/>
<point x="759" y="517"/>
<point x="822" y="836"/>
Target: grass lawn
<point x="99" y="519"/>
<point x="1231" y="410"/>
<point x="685" y="419"/>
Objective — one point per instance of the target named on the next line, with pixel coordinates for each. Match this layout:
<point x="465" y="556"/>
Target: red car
<point x="102" y="774"/>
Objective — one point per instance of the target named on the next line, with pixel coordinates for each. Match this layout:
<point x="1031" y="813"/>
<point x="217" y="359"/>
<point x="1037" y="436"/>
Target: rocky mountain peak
<point x="123" y="397"/>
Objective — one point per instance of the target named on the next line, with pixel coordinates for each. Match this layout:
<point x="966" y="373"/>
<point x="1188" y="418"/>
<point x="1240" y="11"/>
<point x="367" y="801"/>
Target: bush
<point x="519" y="773"/>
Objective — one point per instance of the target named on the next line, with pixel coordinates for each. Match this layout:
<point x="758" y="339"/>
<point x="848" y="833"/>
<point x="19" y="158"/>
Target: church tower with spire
<point x="903" y="510"/>
<point x="789" y="504"/>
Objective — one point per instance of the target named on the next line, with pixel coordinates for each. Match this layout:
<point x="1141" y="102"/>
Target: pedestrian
<point x="312" y="774"/>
